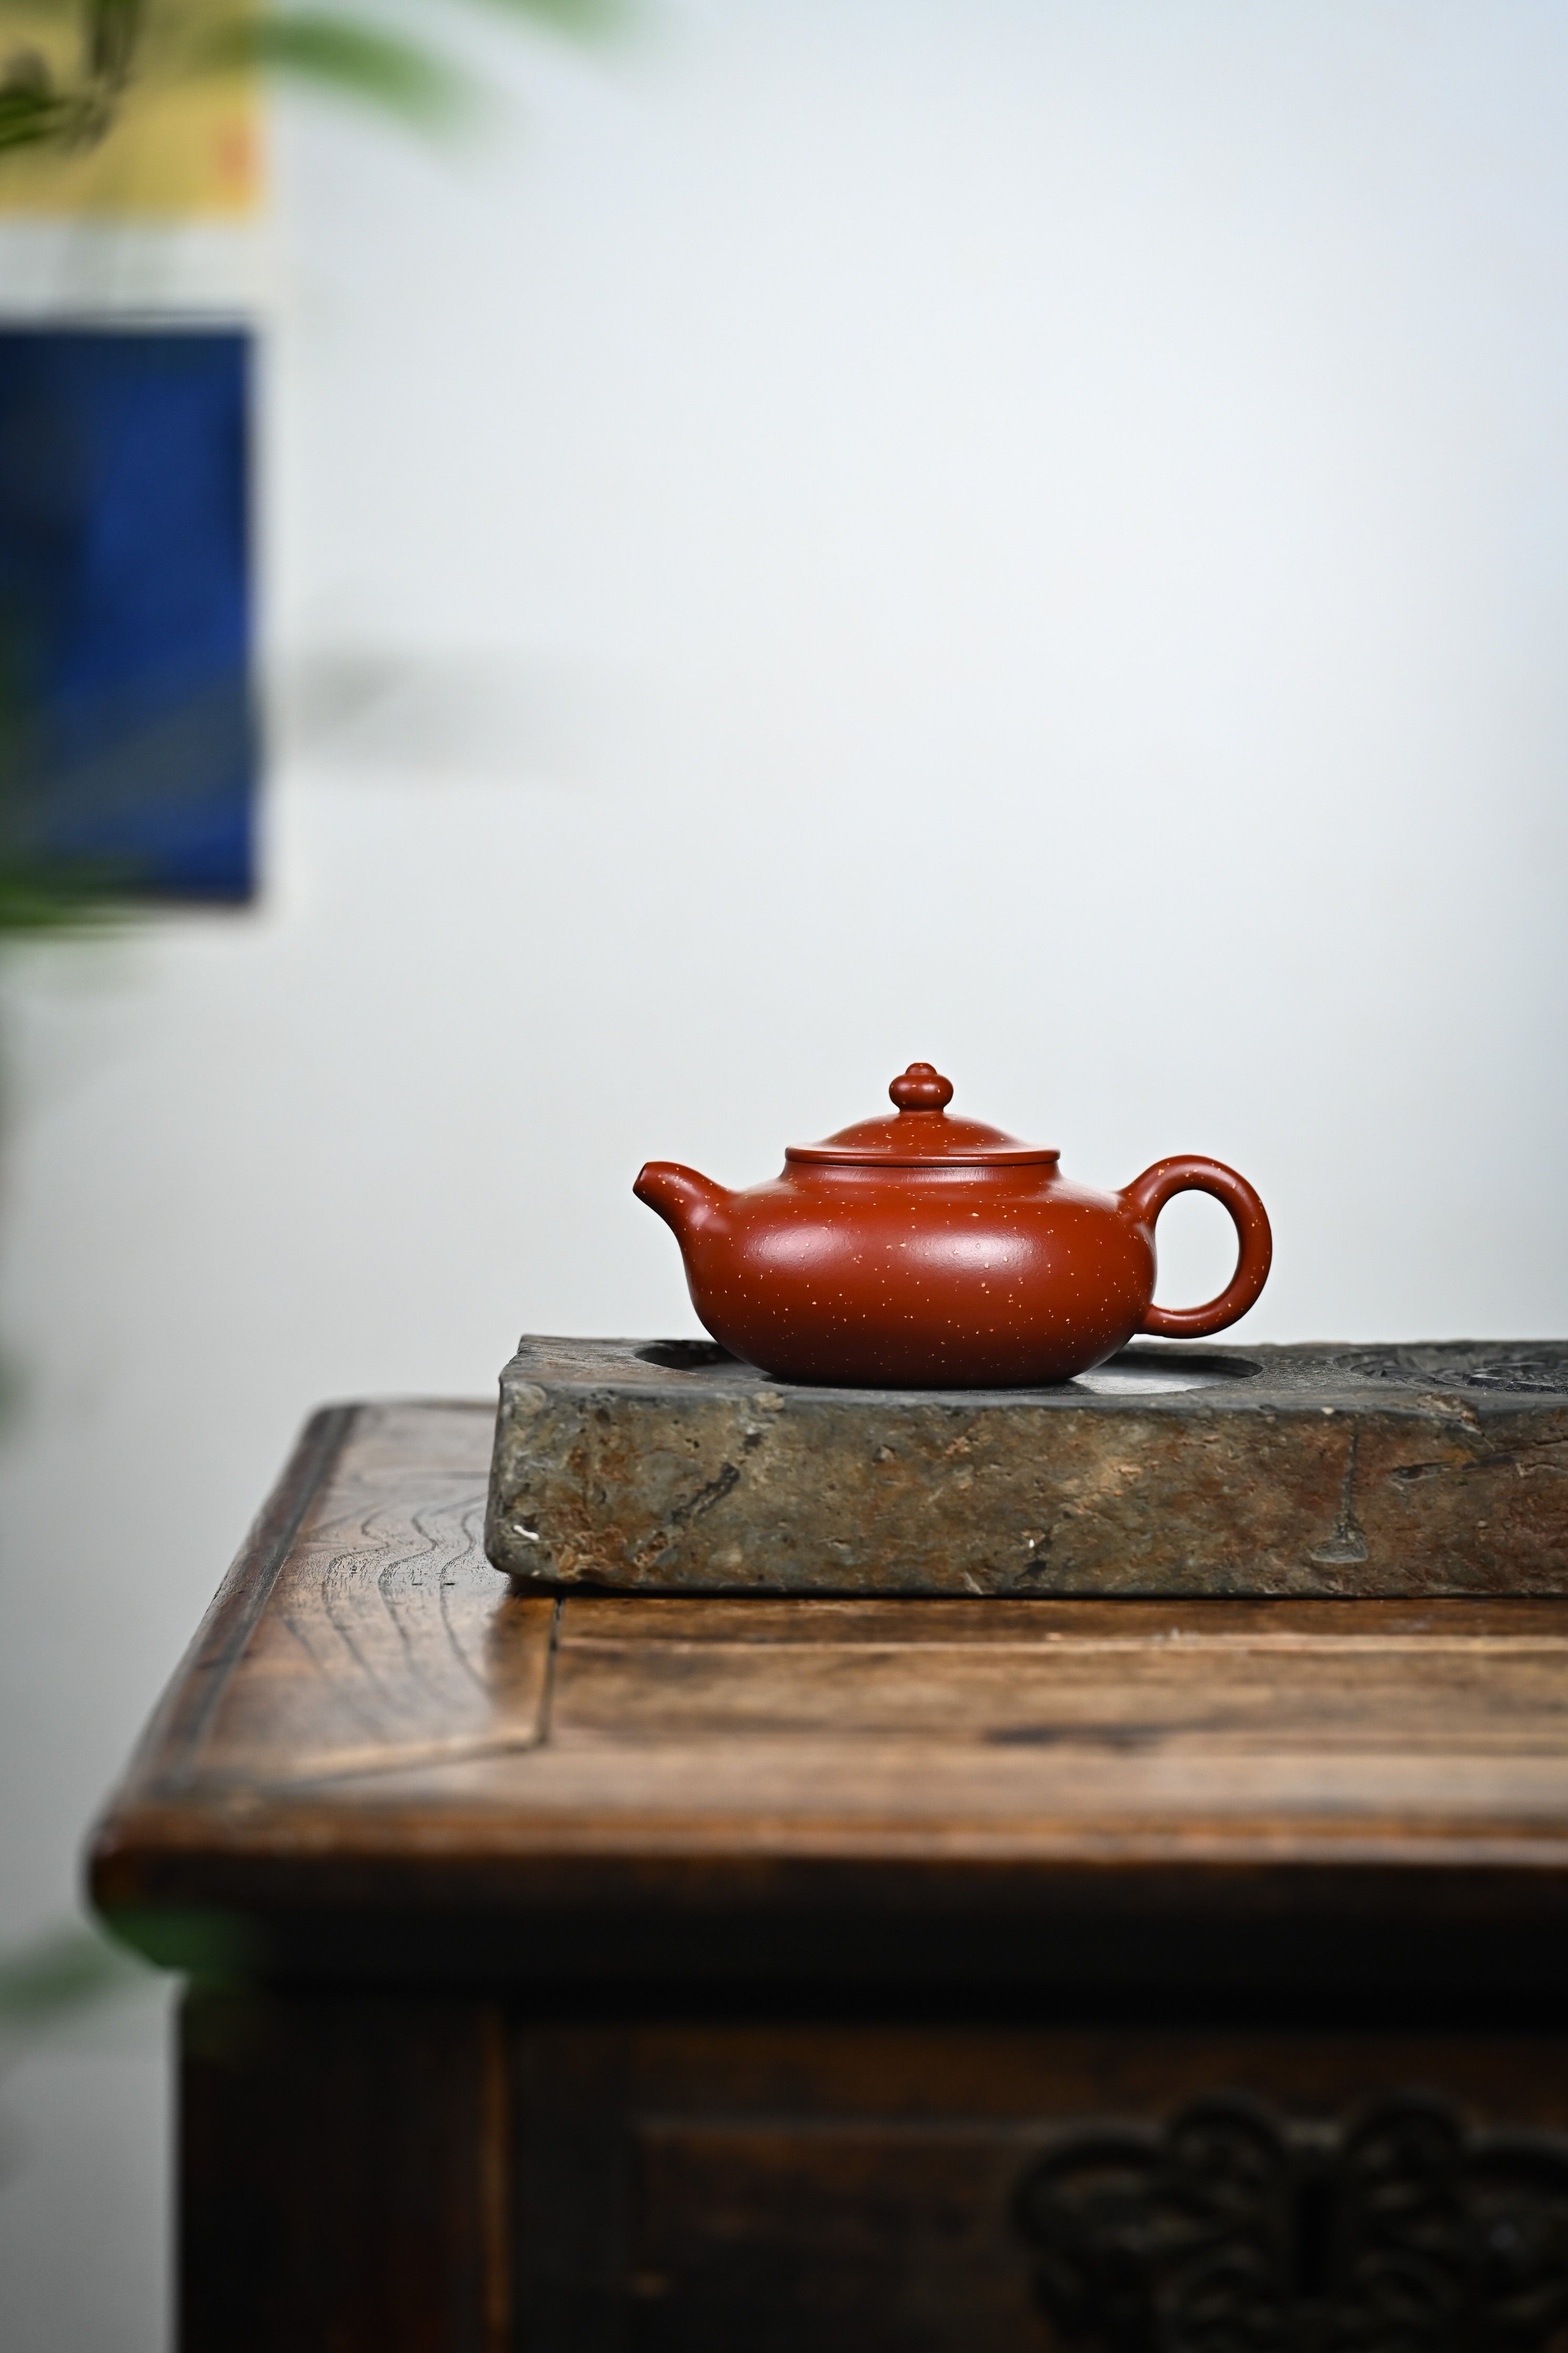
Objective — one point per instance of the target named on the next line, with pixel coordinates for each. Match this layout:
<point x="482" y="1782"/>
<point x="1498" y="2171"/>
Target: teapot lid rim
<point x="919" y="1134"/>
<point x="1001" y="1154"/>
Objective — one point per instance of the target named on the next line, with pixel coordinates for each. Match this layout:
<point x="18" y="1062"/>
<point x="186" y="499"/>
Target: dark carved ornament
<point x="1398" y="2231"/>
<point x="1531" y="1367"/>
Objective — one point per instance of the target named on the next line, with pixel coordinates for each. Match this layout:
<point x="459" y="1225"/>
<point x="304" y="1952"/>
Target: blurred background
<point x="1027" y="534"/>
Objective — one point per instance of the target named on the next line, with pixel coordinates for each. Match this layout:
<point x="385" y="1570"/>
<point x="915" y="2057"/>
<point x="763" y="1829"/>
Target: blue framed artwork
<point x="131" y="745"/>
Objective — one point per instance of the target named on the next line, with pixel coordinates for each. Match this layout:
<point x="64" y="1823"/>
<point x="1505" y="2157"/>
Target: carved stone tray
<point x="670" y="1467"/>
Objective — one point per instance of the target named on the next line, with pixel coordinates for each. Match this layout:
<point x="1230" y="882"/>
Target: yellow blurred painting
<point x="127" y="110"/>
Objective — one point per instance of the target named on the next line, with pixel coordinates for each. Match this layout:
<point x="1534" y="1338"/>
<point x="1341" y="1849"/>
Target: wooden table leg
<point x="343" y="2174"/>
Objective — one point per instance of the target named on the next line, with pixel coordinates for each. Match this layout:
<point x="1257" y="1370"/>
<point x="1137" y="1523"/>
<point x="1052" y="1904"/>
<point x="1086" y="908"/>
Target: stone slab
<point x="670" y="1467"/>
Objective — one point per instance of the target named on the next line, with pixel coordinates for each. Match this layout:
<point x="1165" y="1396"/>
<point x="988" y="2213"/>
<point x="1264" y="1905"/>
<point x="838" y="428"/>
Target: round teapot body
<point x="946" y="1277"/>
<point x="929" y="1252"/>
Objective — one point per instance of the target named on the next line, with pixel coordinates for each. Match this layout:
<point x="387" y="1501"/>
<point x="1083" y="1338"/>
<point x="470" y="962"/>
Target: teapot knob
<point x="922" y="1088"/>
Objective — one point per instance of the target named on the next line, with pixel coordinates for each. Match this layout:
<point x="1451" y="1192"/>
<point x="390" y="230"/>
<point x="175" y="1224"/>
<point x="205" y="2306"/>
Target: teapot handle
<point x="1189" y="1173"/>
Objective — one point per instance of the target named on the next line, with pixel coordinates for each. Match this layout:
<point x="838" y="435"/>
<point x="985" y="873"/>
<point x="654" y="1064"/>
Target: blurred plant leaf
<point x="349" y="54"/>
<point x="579" y="20"/>
<point x="111" y="30"/>
<point x="79" y="1966"/>
<point x="70" y="1970"/>
<point x="32" y="111"/>
<point x="40" y="898"/>
<point x="212" y="1946"/>
<point x="346" y="55"/>
<point x="38" y="893"/>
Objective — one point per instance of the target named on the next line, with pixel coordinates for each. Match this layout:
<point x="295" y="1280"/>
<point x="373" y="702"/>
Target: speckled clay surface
<point x="928" y="1252"/>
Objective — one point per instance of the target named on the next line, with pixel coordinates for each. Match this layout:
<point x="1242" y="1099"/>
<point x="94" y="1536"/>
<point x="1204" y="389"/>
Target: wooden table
<point x="618" y="1972"/>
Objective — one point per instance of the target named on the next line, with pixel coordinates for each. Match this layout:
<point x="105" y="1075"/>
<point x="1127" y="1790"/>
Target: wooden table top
<point x="378" y="1757"/>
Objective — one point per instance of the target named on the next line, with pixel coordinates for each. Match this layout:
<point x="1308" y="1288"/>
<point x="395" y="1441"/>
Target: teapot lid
<point x="921" y="1132"/>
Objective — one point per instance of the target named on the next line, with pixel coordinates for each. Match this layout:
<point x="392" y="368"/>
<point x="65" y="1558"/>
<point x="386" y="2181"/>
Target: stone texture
<point x="669" y="1467"/>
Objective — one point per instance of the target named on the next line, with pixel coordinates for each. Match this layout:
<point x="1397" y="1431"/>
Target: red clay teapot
<point x="923" y="1251"/>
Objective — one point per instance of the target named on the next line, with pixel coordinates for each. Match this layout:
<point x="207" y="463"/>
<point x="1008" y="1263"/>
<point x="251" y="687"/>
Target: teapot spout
<point x="688" y="1203"/>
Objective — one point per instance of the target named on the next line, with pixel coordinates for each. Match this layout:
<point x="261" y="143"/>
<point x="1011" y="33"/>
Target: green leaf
<point x="347" y="55"/>
<point x="35" y="898"/>
<point x="70" y="1970"/>
<point x="579" y="20"/>
<point x="112" y="28"/>
<point x="214" y="1947"/>
<point x="29" y="115"/>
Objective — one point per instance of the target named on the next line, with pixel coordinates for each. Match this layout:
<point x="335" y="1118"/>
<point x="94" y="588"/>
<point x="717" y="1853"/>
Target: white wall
<point x="1031" y="535"/>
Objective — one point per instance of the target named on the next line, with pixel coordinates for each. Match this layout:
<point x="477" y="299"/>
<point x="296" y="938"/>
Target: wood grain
<point x="1043" y="1830"/>
<point x="824" y="2190"/>
<point x="384" y="1636"/>
<point x="1198" y="1685"/>
<point x="376" y="1719"/>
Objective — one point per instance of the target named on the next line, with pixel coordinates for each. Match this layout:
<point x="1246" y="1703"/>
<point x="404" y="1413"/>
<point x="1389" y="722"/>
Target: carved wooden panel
<point x="1399" y="2228"/>
<point x="873" y="2189"/>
